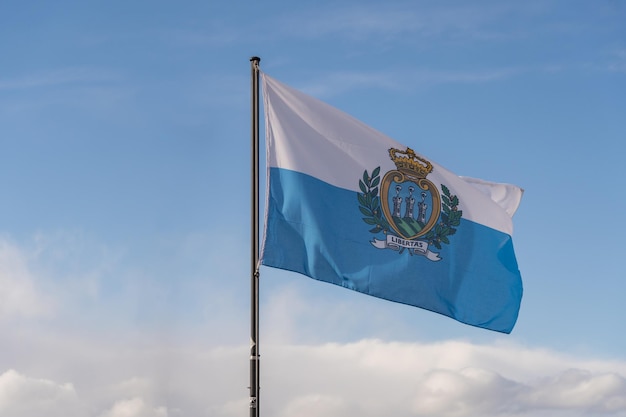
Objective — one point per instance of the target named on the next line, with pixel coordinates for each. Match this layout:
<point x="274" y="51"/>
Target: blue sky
<point x="124" y="217"/>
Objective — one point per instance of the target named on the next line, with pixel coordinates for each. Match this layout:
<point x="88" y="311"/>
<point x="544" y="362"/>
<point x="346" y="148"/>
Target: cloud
<point x="19" y="296"/>
<point x="217" y="35"/>
<point x="392" y="22"/>
<point x="124" y="367"/>
<point x="58" y="77"/>
<point x="51" y="276"/>
<point x="379" y="24"/>
<point x="22" y="396"/>
<point x="450" y="379"/>
<point x="474" y="391"/>
<point x="35" y="98"/>
<point x="367" y="378"/>
<point x="314" y="405"/>
<point x="619" y="61"/>
<point x="579" y="389"/>
<point x="469" y="391"/>
<point x="135" y="407"/>
<point x="401" y="80"/>
<point x="407" y="80"/>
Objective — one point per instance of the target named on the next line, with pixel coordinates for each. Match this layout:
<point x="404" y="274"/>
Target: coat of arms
<point x="407" y="208"/>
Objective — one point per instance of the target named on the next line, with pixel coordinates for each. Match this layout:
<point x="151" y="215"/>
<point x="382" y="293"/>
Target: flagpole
<point x="254" y="246"/>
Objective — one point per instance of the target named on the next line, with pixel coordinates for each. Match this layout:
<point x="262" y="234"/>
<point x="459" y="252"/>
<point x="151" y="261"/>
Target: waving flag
<point x="350" y="206"/>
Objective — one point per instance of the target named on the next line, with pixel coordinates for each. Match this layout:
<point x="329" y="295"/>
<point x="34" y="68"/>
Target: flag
<point x="350" y="206"/>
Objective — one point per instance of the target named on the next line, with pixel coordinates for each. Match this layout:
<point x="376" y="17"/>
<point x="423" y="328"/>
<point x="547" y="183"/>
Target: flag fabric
<point x="350" y="206"/>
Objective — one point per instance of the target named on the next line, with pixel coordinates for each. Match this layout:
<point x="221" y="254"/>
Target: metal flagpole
<point x="254" y="258"/>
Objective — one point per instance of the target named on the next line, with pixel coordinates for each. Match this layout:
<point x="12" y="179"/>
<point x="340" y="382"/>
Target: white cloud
<point x="134" y="387"/>
<point x="474" y="391"/>
<point x="58" y="77"/>
<point x="390" y="22"/>
<point x="217" y="34"/>
<point x="342" y="81"/>
<point x="580" y="389"/>
<point x="367" y="378"/>
<point x="19" y="295"/>
<point x="135" y="407"/>
<point x="619" y="61"/>
<point x="314" y="405"/>
<point x="451" y="379"/>
<point x="380" y="24"/>
<point x="22" y="396"/>
<point x="115" y="370"/>
<point x="467" y="392"/>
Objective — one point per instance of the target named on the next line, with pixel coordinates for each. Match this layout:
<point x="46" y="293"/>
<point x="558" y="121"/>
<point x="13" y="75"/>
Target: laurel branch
<point x="369" y="202"/>
<point x="450" y="217"/>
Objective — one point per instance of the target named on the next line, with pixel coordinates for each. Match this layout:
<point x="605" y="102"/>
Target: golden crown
<point x="409" y="163"/>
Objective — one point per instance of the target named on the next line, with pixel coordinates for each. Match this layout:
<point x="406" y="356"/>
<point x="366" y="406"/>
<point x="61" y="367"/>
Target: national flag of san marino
<point x="350" y="206"/>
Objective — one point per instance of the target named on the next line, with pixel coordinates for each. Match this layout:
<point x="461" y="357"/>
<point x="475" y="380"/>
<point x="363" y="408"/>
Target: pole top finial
<point x="255" y="58"/>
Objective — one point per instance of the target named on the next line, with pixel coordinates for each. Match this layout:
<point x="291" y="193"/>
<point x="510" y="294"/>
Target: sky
<point x="125" y="211"/>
